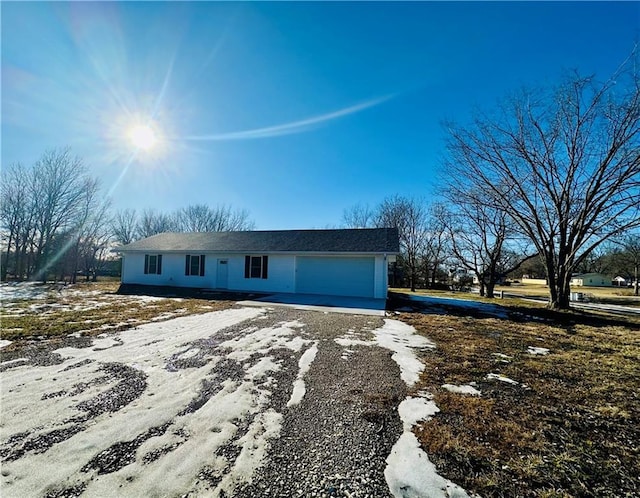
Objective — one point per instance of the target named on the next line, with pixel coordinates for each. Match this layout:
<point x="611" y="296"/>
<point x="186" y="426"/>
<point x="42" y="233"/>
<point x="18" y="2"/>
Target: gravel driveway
<point x="243" y="402"/>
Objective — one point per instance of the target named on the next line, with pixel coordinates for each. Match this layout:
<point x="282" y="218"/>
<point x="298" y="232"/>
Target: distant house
<point x="350" y="262"/>
<point x="619" y="281"/>
<point x="591" y="280"/>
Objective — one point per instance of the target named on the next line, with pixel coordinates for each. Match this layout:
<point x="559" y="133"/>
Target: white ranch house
<point x="349" y="262"/>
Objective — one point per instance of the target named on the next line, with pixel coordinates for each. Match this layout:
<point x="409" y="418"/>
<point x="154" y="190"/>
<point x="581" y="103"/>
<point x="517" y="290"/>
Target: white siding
<point x="281" y="273"/>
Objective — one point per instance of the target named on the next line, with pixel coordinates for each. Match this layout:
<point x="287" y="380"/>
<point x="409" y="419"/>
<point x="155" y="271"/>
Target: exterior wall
<point x="534" y="281"/>
<point x="281" y="273"/>
<point x="381" y="277"/>
<point x="172" y="271"/>
<point x="591" y="280"/>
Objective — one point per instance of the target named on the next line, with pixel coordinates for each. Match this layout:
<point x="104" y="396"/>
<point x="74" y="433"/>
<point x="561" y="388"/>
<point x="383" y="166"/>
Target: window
<point x="194" y="265"/>
<point x="153" y="264"/>
<point x="256" y="266"/>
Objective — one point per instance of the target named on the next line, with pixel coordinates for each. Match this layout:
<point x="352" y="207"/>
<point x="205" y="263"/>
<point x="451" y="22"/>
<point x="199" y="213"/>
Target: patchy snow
<point x="464" y="389"/>
<point x="23" y="290"/>
<point x="399" y="338"/>
<point x="502" y="358"/>
<point x="67" y="298"/>
<point x="256" y="340"/>
<point x="48" y="398"/>
<point x="409" y="473"/>
<point x="538" y="351"/>
<point x="501" y="378"/>
<point x="403" y="341"/>
<point x="489" y="309"/>
<point x="4" y="343"/>
<point x="413" y="410"/>
<point x="299" y="388"/>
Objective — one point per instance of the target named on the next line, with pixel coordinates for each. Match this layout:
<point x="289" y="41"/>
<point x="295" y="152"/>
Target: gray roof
<point x="357" y="240"/>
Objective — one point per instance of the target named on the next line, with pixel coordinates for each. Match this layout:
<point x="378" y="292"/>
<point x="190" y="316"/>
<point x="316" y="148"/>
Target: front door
<point x="222" y="279"/>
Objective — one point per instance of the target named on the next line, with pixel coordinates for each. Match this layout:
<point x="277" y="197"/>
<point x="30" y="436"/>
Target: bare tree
<point x="203" y="218"/>
<point x="231" y="220"/>
<point x="153" y="222"/>
<point x="482" y="239"/>
<point x="358" y="216"/>
<point x="45" y="213"/>
<point x="564" y="165"/>
<point x="436" y="247"/>
<point x="124" y="226"/>
<point x="16" y="215"/>
<point x="59" y="185"/>
<point x="631" y="256"/>
<point x="195" y="218"/>
<point x="92" y="232"/>
<point x="409" y="216"/>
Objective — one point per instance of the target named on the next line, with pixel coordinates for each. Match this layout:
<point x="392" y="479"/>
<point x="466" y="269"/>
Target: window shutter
<point x="146" y="264"/>
<point x="159" y="268"/>
<point x="247" y="266"/>
<point x="265" y="266"/>
<point x="202" y="265"/>
<point x="186" y="265"/>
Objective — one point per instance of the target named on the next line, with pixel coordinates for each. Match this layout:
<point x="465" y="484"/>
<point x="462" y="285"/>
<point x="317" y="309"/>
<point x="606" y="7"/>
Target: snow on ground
<point x="502" y="378"/>
<point x="4" y="343"/>
<point x="67" y="298"/>
<point x="464" y="389"/>
<point x="538" y="351"/>
<point x="409" y="472"/>
<point x="403" y="341"/>
<point x="299" y="388"/>
<point x="22" y="290"/>
<point x="488" y="309"/>
<point x="50" y="400"/>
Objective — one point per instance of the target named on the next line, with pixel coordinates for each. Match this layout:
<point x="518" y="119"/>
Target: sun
<point x="143" y="137"/>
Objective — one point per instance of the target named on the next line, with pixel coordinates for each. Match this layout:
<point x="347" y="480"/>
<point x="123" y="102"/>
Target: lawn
<point x="558" y="412"/>
<point x="40" y="311"/>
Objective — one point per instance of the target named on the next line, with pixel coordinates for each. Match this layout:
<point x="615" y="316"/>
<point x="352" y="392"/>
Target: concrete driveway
<point x="246" y="402"/>
<point x="313" y="302"/>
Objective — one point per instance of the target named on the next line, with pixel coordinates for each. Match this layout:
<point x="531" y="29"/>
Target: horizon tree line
<point x="55" y="223"/>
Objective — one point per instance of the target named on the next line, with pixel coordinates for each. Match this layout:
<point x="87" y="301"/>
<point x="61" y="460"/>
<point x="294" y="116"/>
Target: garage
<point x="336" y="276"/>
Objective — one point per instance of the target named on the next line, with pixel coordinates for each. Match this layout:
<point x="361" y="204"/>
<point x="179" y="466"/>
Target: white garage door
<point x="335" y="276"/>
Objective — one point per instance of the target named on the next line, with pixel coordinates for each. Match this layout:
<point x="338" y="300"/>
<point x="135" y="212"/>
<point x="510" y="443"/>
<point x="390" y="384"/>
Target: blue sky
<point x="293" y="111"/>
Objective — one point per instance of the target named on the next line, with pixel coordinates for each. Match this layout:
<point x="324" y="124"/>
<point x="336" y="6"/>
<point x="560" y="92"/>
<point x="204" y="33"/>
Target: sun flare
<point x="143" y="137"/>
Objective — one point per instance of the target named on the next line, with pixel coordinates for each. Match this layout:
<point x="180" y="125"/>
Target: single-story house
<point x="347" y="262"/>
<point x="591" y="280"/>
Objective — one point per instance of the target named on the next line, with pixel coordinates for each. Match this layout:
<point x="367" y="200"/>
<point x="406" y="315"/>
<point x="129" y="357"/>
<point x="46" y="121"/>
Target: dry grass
<point x="89" y="309"/>
<point x="570" y="427"/>
<point x="613" y="295"/>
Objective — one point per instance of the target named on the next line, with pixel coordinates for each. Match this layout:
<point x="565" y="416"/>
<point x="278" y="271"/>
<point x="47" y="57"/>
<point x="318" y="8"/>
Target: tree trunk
<point x="490" y="288"/>
<point x="560" y="292"/>
<point x="3" y="274"/>
<point x="482" y="288"/>
<point x="636" y="280"/>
